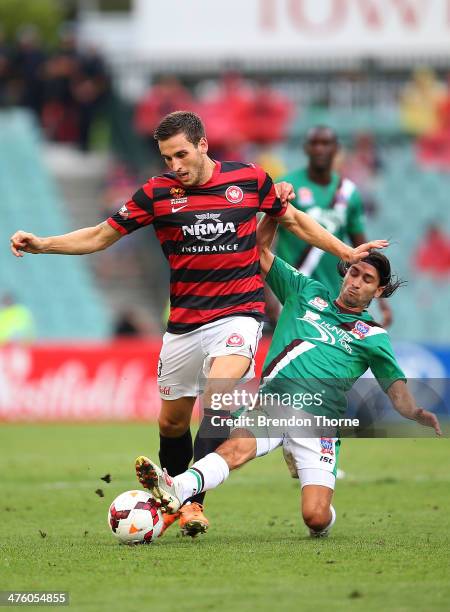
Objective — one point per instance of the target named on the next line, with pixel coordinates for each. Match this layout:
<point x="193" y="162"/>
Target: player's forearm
<point x="402" y="400"/>
<point x="405" y="404"/>
<point x="307" y="229"/>
<point x="265" y="233"/>
<point x="80" y="242"/>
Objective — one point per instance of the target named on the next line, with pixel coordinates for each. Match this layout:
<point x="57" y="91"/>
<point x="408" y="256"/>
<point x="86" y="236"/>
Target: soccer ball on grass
<point x="135" y="518"/>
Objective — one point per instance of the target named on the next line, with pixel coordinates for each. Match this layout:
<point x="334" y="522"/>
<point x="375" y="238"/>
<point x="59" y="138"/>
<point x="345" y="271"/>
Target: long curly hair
<point x="391" y="282"/>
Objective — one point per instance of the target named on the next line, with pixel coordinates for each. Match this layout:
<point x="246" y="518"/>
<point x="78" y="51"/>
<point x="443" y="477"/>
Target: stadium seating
<point x="59" y="290"/>
<point x="410" y="198"/>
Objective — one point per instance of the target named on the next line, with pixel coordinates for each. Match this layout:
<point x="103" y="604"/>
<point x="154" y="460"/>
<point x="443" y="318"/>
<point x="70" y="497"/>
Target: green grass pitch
<point x="389" y="549"/>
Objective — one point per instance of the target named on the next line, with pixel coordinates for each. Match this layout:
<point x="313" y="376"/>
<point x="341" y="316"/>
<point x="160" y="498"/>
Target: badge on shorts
<point x="327" y="446"/>
<point x="235" y="340"/>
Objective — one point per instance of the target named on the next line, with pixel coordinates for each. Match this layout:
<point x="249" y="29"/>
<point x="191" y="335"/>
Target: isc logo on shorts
<point x="235" y="340"/>
<point x="164" y="390"/>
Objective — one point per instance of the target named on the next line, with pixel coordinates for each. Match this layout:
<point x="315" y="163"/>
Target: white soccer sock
<point x="207" y="473"/>
<point x="333" y="518"/>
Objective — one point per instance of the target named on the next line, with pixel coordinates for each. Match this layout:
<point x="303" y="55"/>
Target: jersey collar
<point x="344" y="310"/>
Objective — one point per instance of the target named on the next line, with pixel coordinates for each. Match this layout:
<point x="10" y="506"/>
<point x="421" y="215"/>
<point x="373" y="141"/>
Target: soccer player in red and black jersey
<point x="204" y="215"/>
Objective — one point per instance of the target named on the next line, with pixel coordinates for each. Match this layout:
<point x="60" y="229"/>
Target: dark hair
<point x="390" y="282"/>
<point x="179" y="122"/>
<point x="321" y="128"/>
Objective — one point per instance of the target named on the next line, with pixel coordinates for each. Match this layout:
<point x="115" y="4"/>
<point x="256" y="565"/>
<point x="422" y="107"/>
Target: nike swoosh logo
<point x="174" y="210"/>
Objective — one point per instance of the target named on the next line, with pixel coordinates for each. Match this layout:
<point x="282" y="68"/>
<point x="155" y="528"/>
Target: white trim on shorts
<point x="316" y="476"/>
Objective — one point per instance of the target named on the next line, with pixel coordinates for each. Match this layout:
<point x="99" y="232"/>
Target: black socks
<point x="175" y="454"/>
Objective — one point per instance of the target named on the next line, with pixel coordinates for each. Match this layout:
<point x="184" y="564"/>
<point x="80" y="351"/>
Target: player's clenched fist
<point x="24" y="242"/>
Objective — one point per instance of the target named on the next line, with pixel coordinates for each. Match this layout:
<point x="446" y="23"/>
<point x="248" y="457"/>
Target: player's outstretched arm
<point x="80" y="242"/>
<point x="307" y="229"/>
<point x="404" y="403"/>
<point x="265" y="233"/>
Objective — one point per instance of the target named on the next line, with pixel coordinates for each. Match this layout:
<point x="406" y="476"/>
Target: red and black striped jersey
<point x="208" y="234"/>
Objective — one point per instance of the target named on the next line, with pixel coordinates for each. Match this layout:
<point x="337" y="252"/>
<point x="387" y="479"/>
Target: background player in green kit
<point x="317" y="338"/>
<point x="334" y="202"/>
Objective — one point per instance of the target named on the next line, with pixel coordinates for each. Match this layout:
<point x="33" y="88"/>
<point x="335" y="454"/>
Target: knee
<point x="171" y="428"/>
<point x="316" y="517"/>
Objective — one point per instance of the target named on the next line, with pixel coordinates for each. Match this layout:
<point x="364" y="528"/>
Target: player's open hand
<point x="24" y="242"/>
<point x="285" y="192"/>
<point x="363" y="250"/>
<point x="428" y="419"/>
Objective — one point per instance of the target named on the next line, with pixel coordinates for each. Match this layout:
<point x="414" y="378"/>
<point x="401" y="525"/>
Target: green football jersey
<point x="338" y="207"/>
<point x="319" y="347"/>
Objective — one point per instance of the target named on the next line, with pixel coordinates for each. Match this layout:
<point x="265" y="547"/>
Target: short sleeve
<point x="268" y="201"/>
<point x="136" y="213"/>
<point x="355" y="215"/>
<point x="384" y="365"/>
<point x="284" y="280"/>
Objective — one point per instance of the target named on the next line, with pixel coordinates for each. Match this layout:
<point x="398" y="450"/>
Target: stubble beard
<point x="350" y="302"/>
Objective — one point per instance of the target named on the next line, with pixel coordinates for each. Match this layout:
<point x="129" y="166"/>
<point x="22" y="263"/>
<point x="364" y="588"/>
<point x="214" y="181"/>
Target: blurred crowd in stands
<point x="68" y="87"/>
<point x="432" y="257"/>
<point x="425" y="113"/>
<point x="64" y="87"/>
<point x="237" y="113"/>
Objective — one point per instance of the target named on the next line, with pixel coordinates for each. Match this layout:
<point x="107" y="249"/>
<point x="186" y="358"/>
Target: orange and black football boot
<point x="192" y="520"/>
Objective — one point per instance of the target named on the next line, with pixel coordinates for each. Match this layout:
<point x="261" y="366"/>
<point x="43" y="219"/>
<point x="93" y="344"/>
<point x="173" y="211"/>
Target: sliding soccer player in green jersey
<point x="317" y="338"/>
